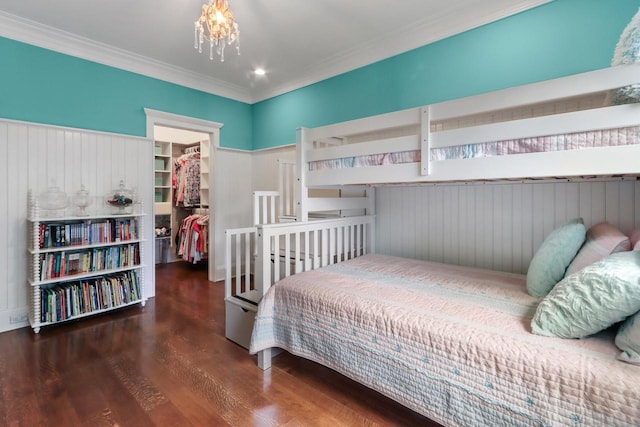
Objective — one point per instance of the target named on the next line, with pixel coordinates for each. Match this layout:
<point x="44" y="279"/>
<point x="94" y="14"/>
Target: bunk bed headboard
<point x="542" y="127"/>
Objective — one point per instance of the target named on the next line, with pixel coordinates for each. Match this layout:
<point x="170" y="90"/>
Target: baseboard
<point x="219" y="273"/>
<point x="14" y="318"/>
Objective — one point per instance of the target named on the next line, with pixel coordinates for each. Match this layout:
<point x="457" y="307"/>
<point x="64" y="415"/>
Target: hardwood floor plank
<point x="169" y="364"/>
<point x="193" y="408"/>
<point x="22" y="406"/>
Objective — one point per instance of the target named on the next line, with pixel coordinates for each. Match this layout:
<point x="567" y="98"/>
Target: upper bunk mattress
<point x="452" y="343"/>
<point x="571" y="141"/>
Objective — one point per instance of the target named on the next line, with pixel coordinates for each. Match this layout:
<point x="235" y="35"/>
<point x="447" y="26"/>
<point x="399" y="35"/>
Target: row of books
<point x="60" y="264"/>
<point x="73" y="299"/>
<point x="52" y="235"/>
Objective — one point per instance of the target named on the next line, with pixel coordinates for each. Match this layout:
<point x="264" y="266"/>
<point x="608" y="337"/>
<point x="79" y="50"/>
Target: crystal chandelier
<point x="222" y="28"/>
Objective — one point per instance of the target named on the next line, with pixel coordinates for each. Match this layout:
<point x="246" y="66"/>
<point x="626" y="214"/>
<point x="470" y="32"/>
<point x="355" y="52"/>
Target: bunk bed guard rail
<point x="284" y="249"/>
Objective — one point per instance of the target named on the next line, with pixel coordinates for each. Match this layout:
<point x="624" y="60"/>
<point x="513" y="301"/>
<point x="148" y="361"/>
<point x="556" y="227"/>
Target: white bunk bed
<point x="460" y="354"/>
<point x="437" y="143"/>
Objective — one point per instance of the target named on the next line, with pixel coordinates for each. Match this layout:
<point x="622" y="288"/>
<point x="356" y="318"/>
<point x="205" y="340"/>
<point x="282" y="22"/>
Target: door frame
<point x="162" y="118"/>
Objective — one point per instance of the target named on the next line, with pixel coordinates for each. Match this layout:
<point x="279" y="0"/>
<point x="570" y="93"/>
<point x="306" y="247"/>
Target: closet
<point x="181" y="195"/>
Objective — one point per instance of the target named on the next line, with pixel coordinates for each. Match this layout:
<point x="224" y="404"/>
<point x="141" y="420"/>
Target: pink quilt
<point x="449" y="342"/>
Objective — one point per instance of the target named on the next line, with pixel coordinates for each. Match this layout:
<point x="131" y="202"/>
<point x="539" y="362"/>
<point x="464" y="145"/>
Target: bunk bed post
<point x="425" y="141"/>
<point x="258" y="281"/>
<point x="227" y="264"/>
<point x="301" y="195"/>
<point x="370" y="195"/>
<point x="264" y="359"/>
<point x="263" y="282"/>
<point x="256" y="209"/>
<point x="286" y="189"/>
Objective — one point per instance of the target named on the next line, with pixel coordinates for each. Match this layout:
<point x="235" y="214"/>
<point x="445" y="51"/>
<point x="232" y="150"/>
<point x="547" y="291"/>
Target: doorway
<point x="181" y="194"/>
<point x="187" y="127"/>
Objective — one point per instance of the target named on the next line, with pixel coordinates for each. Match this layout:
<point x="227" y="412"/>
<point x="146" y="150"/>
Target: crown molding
<point x="401" y="41"/>
<point x="31" y="32"/>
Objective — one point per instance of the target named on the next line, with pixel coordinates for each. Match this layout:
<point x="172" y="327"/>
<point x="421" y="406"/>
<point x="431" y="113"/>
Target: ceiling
<point x="297" y="42"/>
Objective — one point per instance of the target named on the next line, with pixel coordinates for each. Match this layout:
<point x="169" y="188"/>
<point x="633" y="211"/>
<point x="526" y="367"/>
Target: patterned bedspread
<point x="451" y="343"/>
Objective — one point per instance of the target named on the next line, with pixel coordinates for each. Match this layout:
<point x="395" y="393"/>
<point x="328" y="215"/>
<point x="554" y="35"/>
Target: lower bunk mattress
<point x="452" y="343"/>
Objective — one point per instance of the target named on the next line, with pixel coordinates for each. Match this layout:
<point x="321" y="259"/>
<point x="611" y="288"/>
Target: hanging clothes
<point x="186" y="180"/>
<point x="193" y="238"/>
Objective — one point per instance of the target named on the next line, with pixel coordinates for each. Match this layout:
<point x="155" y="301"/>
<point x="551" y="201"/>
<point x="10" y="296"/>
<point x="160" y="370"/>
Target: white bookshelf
<point x="83" y="265"/>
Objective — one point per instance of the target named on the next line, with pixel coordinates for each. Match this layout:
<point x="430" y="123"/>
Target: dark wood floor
<point x="169" y="364"/>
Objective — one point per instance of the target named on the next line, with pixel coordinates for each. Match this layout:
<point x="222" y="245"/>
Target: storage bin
<point x="163" y="249"/>
<point x="239" y="318"/>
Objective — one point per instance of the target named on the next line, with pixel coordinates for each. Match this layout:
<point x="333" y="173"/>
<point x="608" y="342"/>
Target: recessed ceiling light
<point x="259" y="72"/>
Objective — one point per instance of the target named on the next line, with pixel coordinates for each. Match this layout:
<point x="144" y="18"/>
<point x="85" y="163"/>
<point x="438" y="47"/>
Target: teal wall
<point x="556" y="39"/>
<point x="559" y="38"/>
<point x="39" y="85"/>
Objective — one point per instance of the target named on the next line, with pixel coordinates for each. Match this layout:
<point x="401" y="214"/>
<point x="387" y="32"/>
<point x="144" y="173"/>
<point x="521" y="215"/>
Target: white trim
<point x="177" y="121"/>
<point x="236" y="150"/>
<point x="279" y="147"/>
<point x="34" y="33"/>
<point x="162" y="118"/>
<point x="72" y="129"/>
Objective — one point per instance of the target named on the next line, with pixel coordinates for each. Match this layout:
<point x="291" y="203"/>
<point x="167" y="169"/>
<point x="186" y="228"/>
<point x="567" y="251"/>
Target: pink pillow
<point x="603" y="239"/>
<point x="635" y="239"/>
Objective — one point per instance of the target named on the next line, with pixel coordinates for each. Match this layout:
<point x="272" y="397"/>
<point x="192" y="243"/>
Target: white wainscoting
<point x="265" y="166"/>
<point x="494" y="225"/>
<point x="31" y="156"/>
<point x="233" y="198"/>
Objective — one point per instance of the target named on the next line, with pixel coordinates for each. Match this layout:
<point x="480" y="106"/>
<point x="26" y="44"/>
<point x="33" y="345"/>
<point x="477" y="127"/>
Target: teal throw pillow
<point x="554" y="256"/>
<point x="592" y="299"/>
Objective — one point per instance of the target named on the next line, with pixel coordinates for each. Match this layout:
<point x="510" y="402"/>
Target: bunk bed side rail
<point x="618" y="116"/>
<point x="604" y="161"/>
<point x="400" y="118"/>
<point x="380" y="146"/>
<point x="563" y="87"/>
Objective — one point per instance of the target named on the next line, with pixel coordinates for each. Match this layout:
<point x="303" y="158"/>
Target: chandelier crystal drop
<point x="222" y="30"/>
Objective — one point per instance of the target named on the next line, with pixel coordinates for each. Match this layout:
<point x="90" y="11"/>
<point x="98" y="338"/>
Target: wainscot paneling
<point x="265" y="166"/>
<point x="34" y="156"/>
<point x="495" y="225"/>
<point x="233" y="198"/>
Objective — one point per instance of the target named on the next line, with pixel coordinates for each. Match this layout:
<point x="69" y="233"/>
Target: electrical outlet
<point x="18" y="318"/>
